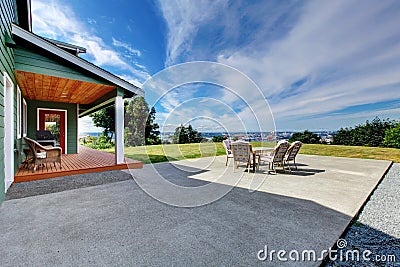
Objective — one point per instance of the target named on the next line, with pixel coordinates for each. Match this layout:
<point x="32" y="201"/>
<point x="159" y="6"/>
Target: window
<point x="19" y="113"/>
<point x="15" y="12"/>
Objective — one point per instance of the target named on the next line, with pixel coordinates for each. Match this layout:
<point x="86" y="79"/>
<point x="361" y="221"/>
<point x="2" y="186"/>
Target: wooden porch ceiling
<point x="35" y="86"/>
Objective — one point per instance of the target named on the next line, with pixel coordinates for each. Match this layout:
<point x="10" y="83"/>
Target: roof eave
<point x="46" y="45"/>
<point x="67" y="46"/>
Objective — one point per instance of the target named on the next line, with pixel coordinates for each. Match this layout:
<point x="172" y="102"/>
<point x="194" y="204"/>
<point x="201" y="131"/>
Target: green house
<point x="45" y="82"/>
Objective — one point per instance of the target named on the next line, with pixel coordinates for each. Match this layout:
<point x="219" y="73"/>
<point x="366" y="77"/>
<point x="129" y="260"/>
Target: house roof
<point x="74" y="49"/>
<point x="52" y="48"/>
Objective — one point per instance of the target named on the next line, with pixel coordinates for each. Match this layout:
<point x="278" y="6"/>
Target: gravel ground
<point x="377" y="228"/>
<point x="47" y="186"/>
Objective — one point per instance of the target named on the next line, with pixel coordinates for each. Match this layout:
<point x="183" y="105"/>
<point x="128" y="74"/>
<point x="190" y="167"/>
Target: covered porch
<point x="56" y="87"/>
<point x="88" y="160"/>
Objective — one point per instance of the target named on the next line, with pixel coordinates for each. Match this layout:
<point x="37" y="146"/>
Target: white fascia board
<point x="84" y="113"/>
<point x="39" y="41"/>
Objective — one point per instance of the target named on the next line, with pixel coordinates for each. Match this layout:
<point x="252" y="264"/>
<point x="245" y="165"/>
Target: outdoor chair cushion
<point x="41" y="155"/>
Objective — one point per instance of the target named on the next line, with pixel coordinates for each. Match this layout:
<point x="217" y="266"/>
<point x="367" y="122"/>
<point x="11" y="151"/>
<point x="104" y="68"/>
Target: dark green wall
<point x="6" y="65"/>
<point x="72" y="121"/>
<point x="30" y="60"/>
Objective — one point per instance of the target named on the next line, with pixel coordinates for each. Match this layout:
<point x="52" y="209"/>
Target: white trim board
<point x="9" y="131"/>
<point x="19" y="113"/>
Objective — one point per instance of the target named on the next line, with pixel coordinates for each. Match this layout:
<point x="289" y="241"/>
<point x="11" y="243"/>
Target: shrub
<point x="368" y="134"/>
<point x="305" y="137"/>
<point x="392" y="137"/>
<point x="218" y="138"/>
<point x="101" y="142"/>
<point x="343" y="137"/>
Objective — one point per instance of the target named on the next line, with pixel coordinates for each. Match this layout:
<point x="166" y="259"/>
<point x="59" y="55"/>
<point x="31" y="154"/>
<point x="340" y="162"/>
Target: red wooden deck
<point x="88" y="160"/>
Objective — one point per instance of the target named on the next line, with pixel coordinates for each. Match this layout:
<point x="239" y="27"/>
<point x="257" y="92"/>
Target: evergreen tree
<point x="194" y="135"/>
<point x="135" y="122"/>
<point x="152" y="133"/>
<point x="180" y="135"/>
<point x="184" y="135"/>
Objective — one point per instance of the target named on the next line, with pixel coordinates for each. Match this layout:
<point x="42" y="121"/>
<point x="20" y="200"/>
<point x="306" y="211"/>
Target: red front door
<point x="54" y="121"/>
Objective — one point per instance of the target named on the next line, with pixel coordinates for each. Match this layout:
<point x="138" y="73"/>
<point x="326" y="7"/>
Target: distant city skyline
<point x="321" y="65"/>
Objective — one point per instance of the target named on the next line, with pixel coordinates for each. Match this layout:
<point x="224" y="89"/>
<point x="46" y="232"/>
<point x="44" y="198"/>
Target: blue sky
<point x="319" y="64"/>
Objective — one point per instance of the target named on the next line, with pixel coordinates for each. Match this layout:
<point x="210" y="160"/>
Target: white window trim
<point x="24" y="116"/>
<point x="19" y="117"/>
<point x="66" y="119"/>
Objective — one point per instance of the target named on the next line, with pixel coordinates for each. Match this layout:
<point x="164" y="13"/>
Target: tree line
<point x="376" y="133"/>
<point x="384" y="133"/>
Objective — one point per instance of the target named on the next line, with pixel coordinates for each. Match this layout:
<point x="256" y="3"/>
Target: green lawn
<point x="363" y="152"/>
<point x="172" y="152"/>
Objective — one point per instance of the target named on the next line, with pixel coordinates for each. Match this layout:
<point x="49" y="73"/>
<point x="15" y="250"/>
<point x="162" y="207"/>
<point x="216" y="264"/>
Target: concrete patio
<point x="118" y="224"/>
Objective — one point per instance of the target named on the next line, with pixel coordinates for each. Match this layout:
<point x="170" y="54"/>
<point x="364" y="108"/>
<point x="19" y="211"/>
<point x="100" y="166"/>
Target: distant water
<point x="82" y="134"/>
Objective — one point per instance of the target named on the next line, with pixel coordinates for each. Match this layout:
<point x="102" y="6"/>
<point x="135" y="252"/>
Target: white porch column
<point x="119" y="130"/>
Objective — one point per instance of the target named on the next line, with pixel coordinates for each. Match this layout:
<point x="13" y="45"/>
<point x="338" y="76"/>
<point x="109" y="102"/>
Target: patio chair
<point x="227" y="146"/>
<point x="276" y="157"/>
<point x="292" y="153"/>
<point x="42" y="155"/>
<point x="241" y="152"/>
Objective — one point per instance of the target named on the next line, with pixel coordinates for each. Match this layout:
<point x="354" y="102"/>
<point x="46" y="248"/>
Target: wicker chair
<point x="227" y="146"/>
<point x="277" y="156"/>
<point x="42" y="155"/>
<point x="292" y="153"/>
<point x="241" y="152"/>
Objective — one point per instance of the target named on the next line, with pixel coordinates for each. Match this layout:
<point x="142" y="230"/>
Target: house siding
<point x="31" y="61"/>
<point x="7" y="16"/>
<point x="72" y="122"/>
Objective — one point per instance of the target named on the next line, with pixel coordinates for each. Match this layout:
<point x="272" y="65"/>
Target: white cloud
<point x="203" y="89"/>
<point x="85" y="124"/>
<point x="131" y="79"/>
<point x="347" y="56"/>
<point x="56" y="21"/>
<point x="183" y="18"/>
<point x="128" y="47"/>
<point x="91" y="21"/>
<point x="340" y="53"/>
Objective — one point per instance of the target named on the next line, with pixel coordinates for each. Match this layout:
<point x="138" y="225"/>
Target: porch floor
<point x="86" y="161"/>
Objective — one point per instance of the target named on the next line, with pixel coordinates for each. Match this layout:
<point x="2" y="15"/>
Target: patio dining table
<point x="258" y="151"/>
